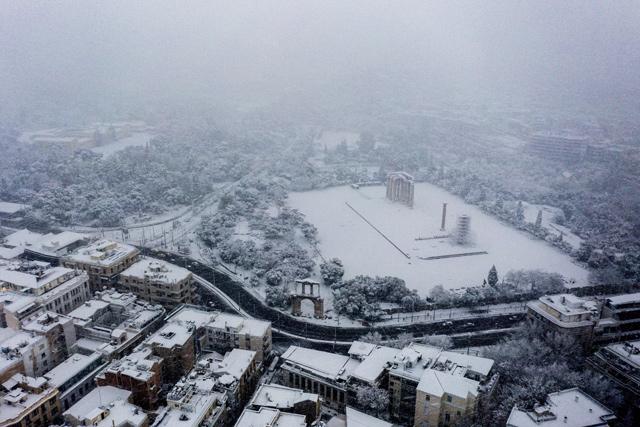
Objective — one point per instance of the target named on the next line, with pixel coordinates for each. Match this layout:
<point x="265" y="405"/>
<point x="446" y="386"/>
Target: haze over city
<point x="364" y="213"/>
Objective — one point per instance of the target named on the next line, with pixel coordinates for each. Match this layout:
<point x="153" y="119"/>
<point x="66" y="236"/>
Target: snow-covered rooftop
<point x="269" y="417"/>
<point x="374" y="364"/>
<point x="321" y="363"/>
<point x="44" y="322"/>
<point x="18" y="399"/>
<point x="102" y="253"/>
<point x="54" y="244"/>
<point x="566" y="408"/>
<point x="88" y="309"/>
<point x="11" y="208"/>
<point x="172" y="334"/>
<point x="220" y="320"/>
<point x="360" y="419"/>
<point x="569" y="304"/>
<point x="99" y="396"/>
<point x="280" y="397"/>
<point x="234" y="364"/>
<point x="32" y="279"/>
<point x="157" y="271"/>
<point x="105" y="407"/>
<point x="21" y="238"/>
<point x="628" y="351"/>
<point x="65" y="371"/>
<point x="138" y="364"/>
<point x="437" y="383"/>
<point x="624" y="299"/>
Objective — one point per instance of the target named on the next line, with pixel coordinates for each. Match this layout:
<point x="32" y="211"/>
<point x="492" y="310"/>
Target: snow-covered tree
<point x="373" y="400"/>
<point x="277" y="296"/>
<point x="492" y="277"/>
<point x="331" y="271"/>
<point x="519" y="215"/>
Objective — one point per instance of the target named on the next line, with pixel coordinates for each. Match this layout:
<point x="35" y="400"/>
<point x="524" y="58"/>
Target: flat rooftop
<point x="280" y="397"/>
<point x="71" y="367"/>
<point x="171" y="335"/>
<point x="269" y="417"/>
<point x="321" y="363"/>
<point x="566" y="408"/>
<point x="103" y="253"/>
<point x="157" y="271"/>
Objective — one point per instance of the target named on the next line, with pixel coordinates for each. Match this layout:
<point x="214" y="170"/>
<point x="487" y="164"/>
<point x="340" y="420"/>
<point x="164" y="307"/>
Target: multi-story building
<point x="23" y="352"/>
<point x="319" y="372"/>
<point x="140" y="373"/>
<point x="56" y="289"/>
<point x="220" y="332"/>
<point x="571" y="407"/>
<point x="425" y="384"/>
<point x="74" y="377"/>
<point x="175" y="344"/>
<point x="14" y="307"/>
<point x="103" y="261"/>
<point x="450" y="382"/>
<point x="158" y="282"/>
<point x="194" y="401"/>
<point x="237" y="373"/>
<point x="566" y="315"/>
<point x="106" y="407"/>
<point x="28" y="402"/>
<point x="622" y="313"/>
<point x="620" y="362"/>
<point x="287" y="399"/>
<point x="58" y="331"/>
<point x="113" y="323"/>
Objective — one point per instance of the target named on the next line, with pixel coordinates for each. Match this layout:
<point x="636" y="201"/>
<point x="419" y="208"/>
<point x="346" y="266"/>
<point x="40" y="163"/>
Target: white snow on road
<point x="345" y="235"/>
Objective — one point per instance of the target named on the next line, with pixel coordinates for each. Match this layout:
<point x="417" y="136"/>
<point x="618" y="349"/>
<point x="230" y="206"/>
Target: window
<point x="447" y="417"/>
<point x="449" y="398"/>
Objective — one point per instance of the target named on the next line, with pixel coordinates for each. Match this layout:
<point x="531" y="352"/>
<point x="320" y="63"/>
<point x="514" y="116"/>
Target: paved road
<point x="466" y="331"/>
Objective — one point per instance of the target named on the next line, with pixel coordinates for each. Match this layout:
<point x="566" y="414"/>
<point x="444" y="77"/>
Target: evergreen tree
<point x="492" y="278"/>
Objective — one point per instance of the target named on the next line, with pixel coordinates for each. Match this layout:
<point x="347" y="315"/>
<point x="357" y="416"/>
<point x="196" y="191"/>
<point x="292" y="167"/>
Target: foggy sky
<point x="245" y="52"/>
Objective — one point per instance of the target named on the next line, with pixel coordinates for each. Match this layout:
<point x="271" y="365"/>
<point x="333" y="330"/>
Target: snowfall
<point x="345" y="235"/>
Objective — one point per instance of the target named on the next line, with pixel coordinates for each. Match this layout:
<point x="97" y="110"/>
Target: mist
<point x="259" y="53"/>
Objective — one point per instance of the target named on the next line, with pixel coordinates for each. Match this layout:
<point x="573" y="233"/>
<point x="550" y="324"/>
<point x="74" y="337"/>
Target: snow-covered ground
<point x="345" y="235"/>
<point x="548" y="215"/>
<point x="135" y="140"/>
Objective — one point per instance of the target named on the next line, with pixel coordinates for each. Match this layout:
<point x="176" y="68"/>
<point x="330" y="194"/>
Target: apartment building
<point x="28" y="402"/>
<point x="103" y="260"/>
<point x="52" y="247"/>
<point x="74" y="377"/>
<point x="426" y="384"/>
<point x="566" y="315"/>
<point x="24" y="353"/>
<point x="56" y="289"/>
<point x="237" y="373"/>
<point x="57" y="330"/>
<point x="221" y="332"/>
<point x="140" y="373"/>
<point x="175" y="344"/>
<point x="269" y="417"/>
<point x="621" y="363"/>
<point x="194" y="401"/>
<point x="113" y="323"/>
<point x="159" y="282"/>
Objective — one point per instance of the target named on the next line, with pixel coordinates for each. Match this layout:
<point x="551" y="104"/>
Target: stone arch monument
<point x="307" y="289"/>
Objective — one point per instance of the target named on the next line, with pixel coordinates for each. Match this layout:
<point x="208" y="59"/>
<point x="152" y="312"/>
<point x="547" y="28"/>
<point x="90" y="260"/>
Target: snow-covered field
<point x="345" y="235"/>
<point x="135" y="140"/>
